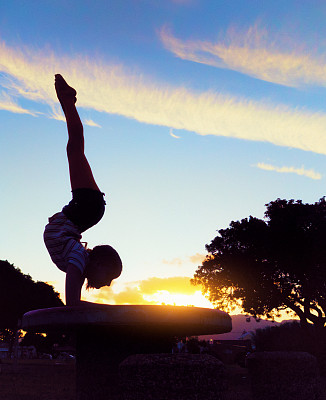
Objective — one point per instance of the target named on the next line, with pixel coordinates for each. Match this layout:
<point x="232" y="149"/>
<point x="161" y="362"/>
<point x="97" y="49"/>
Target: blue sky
<point x="196" y="113"/>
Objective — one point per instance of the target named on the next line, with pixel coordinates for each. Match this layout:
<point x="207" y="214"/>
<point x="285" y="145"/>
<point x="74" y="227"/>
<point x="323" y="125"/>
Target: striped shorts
<point x="62" y="240"/>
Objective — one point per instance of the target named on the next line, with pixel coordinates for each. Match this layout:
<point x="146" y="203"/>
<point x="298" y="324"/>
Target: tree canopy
<point x="271" y="264"/>
<point x="19" y="294"/>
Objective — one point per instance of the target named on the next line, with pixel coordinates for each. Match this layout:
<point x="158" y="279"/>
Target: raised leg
<point x="80" y="172"/>
<point x="81" y="175"/>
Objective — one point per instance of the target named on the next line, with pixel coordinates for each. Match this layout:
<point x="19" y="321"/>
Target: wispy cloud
<point x="309" y="173"/>
<point x="173" y="134"/>
<point x="113" y="89"/>
<point x="197" y="258"/>
<point x="194" y="259"/>
<point x="59" y="116"/>
<point x="254" y="52"/>
<point x="90" y="122"/>
<point x="7" y="104"/>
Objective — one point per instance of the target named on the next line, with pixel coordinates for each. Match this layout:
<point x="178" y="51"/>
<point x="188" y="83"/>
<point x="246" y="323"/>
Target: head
<point x="103" y="266"/>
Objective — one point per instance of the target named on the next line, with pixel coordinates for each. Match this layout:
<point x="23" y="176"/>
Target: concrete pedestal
<point x="106" y="335"/>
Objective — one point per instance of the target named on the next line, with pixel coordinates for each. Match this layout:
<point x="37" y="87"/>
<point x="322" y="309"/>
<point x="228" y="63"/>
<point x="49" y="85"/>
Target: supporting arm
<point x="74" y="283"/>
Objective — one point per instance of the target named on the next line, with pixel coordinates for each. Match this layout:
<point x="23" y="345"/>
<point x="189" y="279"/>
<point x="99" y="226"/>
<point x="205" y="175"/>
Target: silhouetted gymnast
<point x="63" y="232"/>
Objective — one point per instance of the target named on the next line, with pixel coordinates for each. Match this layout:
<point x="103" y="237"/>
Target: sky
<point x="196" y="113"/>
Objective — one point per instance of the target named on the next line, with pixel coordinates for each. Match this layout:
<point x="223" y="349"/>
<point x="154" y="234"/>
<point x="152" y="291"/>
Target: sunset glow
<point x="164" y="297"/>
<point x="179" y="299"/>
<point x="169" y="291"/>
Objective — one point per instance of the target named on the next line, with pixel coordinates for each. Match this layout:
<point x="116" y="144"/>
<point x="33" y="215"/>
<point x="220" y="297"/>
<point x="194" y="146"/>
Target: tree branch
<point x="297" y="310"/>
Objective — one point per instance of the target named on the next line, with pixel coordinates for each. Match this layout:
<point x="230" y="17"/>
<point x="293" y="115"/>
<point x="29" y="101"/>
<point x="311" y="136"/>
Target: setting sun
<point x="179" y="299"/>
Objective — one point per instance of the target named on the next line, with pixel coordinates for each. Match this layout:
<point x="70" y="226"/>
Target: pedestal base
<point x="106" y="335"/>
<point x="99" y="354"/>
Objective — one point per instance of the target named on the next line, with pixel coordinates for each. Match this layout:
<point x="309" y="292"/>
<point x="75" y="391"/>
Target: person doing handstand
<point x="63" y="232"/>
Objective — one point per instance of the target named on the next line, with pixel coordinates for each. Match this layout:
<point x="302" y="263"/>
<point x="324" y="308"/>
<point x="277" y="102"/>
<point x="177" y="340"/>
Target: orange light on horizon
<point x="175" y="291"/>
<point x="178" y="299"/>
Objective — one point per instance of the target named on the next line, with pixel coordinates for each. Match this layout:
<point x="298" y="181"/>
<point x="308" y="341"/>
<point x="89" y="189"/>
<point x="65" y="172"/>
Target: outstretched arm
<point x="81" y="175"/>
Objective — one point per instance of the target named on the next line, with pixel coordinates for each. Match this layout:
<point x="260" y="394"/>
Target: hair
<point x="109" y="260"/>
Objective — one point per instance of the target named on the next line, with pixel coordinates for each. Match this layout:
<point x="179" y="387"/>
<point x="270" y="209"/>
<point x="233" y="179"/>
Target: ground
<point x="237" y="383"/>
<point x="52" y="380"/>
<point x="37" y="380"/>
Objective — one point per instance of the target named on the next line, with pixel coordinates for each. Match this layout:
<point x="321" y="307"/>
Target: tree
<point x="270" y="265"/>
<point x="19" y="294"/>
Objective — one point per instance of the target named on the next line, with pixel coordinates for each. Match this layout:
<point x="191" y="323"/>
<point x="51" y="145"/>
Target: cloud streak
<point x="112" y="89"/>
<point x="173" y="290"/>
<point x="255" y="53"/>
<point x="90" y="122"/>
<point x="173" y="134"/>
<point x="7" y="104"/>
<point x="195" y="259"/>
<point x="309" y="173"/>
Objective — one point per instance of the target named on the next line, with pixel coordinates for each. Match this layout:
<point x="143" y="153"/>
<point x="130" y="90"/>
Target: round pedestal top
<point x="176" y="320"/>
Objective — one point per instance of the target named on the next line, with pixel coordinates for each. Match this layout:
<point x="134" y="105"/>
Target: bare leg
<point x="81" y="175"/>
